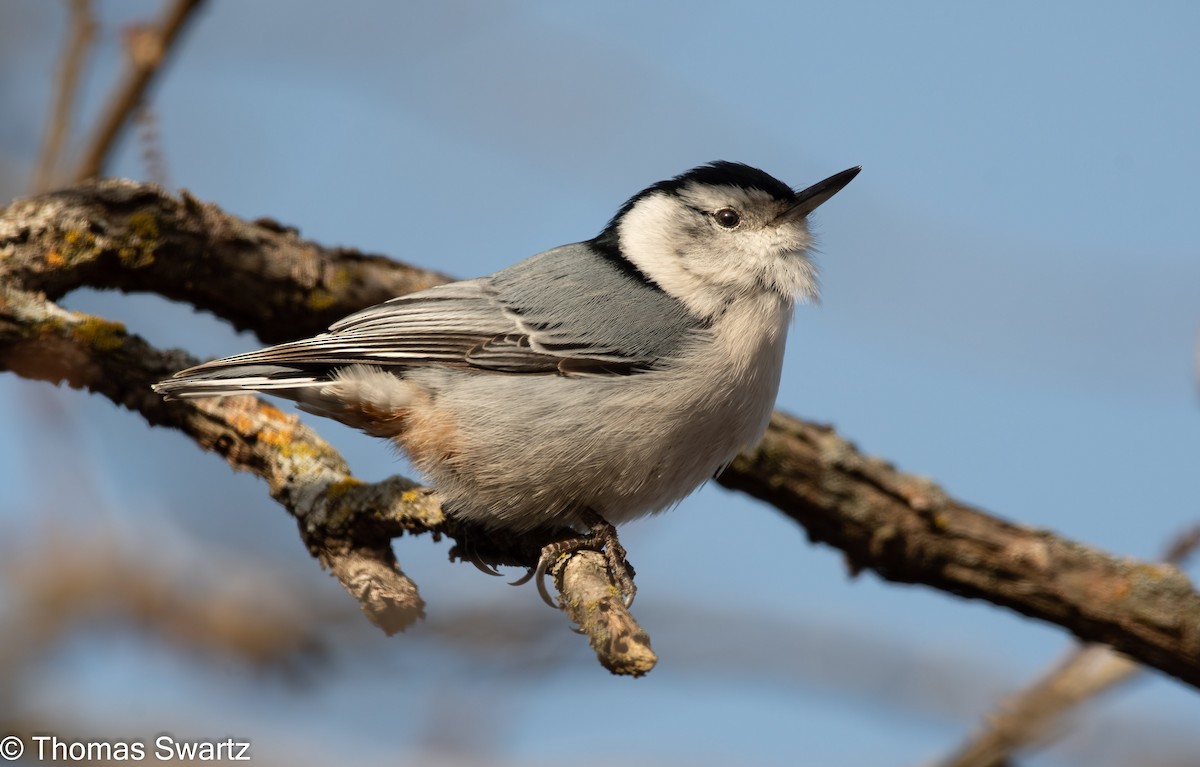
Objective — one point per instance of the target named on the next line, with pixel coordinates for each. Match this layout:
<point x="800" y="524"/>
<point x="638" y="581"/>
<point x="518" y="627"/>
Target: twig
<point x="71" y="578"/>
<point x="154" y="161"/>
<point x="1036" y="714"/>
<point x="596" y="605"/>
<point x="79" y="39"/>
<point x="149" y="50"/>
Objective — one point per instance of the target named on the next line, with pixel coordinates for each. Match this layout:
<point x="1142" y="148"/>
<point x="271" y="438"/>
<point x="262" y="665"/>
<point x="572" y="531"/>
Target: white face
<point x="709" y="245"/>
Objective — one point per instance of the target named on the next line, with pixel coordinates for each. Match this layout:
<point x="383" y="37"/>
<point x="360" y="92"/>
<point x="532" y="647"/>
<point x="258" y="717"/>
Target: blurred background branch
<point x="1036" y="716"/>
<point x="149" y="47"/>
<point x="82" y="28"/>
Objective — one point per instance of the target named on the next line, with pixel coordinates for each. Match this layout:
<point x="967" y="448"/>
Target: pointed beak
<point x="810" y="199"/>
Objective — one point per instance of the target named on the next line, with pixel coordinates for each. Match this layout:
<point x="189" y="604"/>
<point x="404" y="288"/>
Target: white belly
<point x="531" y="450"/>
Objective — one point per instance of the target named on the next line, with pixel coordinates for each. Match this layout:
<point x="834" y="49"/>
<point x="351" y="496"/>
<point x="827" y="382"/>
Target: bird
<point x="585" y="386"/>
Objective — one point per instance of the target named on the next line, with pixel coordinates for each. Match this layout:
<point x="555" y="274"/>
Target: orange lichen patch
<point x="76" y="245"/>
<point x="272" y="413"/>
<point x="242" y="423"/>
<point x="275" y="437"/>
<point x="78" y="237"/>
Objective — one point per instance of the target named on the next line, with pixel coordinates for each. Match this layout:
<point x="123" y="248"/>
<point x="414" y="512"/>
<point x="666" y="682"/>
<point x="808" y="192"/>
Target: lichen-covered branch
<point x="41" y="341"/>
<point x="599" y="608"/>
<point x="263" y="277"/>
<point x="348" y="525"/>
<point x="258" y="276"/>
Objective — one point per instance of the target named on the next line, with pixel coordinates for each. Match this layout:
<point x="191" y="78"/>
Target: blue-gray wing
<point x="569" y="310"/>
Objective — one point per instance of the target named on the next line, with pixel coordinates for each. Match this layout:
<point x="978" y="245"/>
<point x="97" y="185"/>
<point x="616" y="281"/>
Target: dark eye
<point x="728" y="217"/>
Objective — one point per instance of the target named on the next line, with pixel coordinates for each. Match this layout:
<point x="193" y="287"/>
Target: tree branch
<point x="258" y="276"/>
<point x="262" y="276"/>
<point x="908" y="530"/>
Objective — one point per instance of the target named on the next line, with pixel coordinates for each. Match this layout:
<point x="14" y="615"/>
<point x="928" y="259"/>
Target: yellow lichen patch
<point x="295" y="450"/>
<point x="138" y="250"/>
<point x="336" y="490"/>
<point x="54" y="258"/>
<point x="144" y="225"/>
<point x="76" y="244"/>
<point x="334" y="282"/>
<point x="416" y="495"/>
<point x="339" y="280"/>
<point x="419" y="504"/>
<point x="321" y="299"/>
<point x="103" y="335"/>
<point x="340" y="513"/>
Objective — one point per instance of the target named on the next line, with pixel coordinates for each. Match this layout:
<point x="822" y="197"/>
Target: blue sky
<point x="1010" y="307"/>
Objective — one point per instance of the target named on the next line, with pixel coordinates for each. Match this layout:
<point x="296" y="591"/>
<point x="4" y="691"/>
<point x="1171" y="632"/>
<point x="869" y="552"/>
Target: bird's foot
<point x="602" y="537"/>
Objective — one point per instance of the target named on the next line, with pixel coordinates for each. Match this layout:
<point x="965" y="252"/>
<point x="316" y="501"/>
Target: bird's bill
<point x="811" y="198"/>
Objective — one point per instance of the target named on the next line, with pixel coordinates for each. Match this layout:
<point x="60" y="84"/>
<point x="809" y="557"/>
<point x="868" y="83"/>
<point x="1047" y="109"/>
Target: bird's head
<point x="720" y="232"/>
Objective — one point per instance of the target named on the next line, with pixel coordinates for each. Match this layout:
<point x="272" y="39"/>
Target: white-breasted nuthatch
<point x="588" y="385"/>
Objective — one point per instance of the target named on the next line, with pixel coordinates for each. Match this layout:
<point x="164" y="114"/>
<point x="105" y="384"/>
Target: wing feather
<point x="462" y="324"/>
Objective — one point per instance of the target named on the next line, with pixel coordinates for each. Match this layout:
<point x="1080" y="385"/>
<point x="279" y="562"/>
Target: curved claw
<point x="483" y="567"/>
<point x="539" y="577"/>
<point x="537" y="574"/>
<point x="471" y="555"/>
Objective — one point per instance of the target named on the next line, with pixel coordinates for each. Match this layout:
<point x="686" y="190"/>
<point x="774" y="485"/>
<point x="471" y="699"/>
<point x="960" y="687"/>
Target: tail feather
<point x="204" y="381"/>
